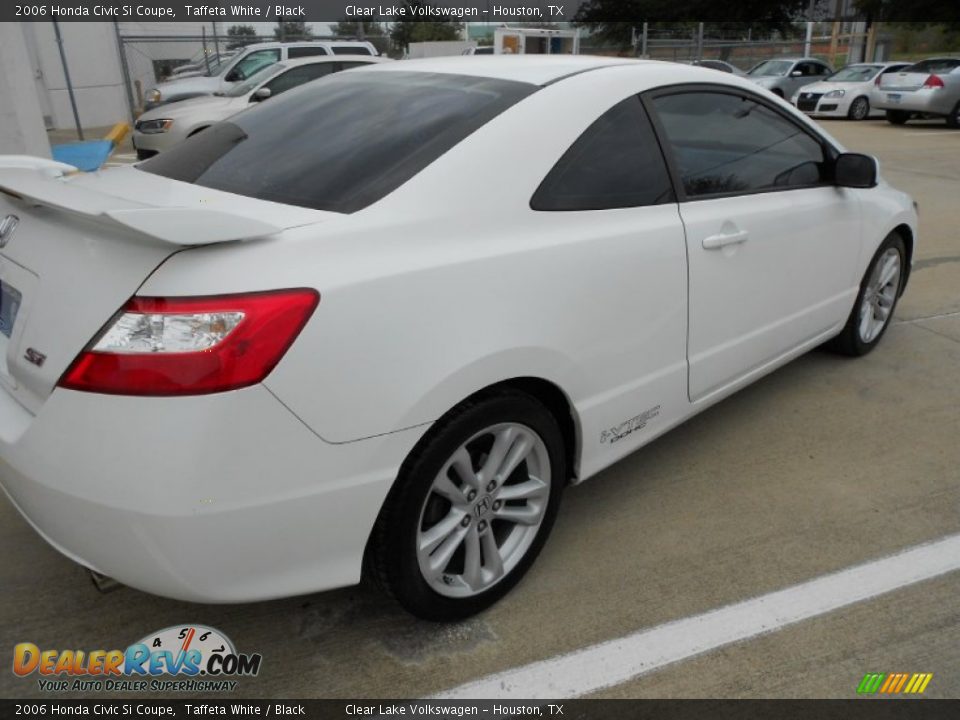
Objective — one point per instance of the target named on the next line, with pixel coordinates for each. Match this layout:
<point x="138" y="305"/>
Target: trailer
<point x="535" y="41"/>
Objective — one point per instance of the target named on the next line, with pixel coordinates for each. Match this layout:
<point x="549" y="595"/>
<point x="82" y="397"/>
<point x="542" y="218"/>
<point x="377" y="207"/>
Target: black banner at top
<point x="493" y="11"/>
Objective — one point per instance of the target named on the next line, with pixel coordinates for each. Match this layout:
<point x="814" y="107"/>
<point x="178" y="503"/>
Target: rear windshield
<point x="934" y="65"/>
<point x="340" y="143"/>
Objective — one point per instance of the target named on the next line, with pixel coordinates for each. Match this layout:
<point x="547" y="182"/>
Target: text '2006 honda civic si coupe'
<point x="380" y="323"/>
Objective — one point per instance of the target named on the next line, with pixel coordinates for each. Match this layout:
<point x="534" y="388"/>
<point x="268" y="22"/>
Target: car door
<point x="772" y="245"/>
<point x="610" y="208"/>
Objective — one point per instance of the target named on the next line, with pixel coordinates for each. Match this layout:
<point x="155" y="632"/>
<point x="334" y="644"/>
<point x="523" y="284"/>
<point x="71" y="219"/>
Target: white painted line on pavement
<point x="616" y="661"/>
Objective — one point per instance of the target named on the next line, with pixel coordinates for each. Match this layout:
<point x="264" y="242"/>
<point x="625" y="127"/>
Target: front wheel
<point x="859" y="109"/>
<point x="876" y="300"/>
<point x="472" y="507"/>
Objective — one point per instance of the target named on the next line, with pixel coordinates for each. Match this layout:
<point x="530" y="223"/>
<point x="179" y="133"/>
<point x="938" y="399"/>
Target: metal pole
<point x="807" y="43"/>
<point x="125" y="68"/>
<point x="643" y="51"/>
<point x="700" y="42"/>
<point x="66" y="75"/>
<point x="206" y="55"/>
<point x="216" y="40"/>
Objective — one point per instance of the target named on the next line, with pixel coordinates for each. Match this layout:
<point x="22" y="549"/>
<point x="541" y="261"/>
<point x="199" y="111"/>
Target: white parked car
<point x="336" y="331"/>
<point x="241" y="67"/>
<point x="845" y="94"/>
<point x="163" y="127"/>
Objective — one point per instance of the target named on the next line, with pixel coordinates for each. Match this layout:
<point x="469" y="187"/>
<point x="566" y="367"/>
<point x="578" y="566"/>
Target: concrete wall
<point x="94" y="63"/>
<point x="22" y="130"/>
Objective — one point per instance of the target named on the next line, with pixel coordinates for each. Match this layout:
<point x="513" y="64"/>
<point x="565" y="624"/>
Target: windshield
<point x="340" y="143"/>
<point x="257" y="78"/>
<point x="215" y="65"/>
<point x="856" y="73"/>
<point x="771" y="68"/>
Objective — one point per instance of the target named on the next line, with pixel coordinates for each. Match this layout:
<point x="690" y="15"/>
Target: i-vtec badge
<point x="638" y="422"/>
<point x="7" y="227"/>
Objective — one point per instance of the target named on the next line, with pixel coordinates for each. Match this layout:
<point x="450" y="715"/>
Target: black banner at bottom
<point x="872" y="709"/>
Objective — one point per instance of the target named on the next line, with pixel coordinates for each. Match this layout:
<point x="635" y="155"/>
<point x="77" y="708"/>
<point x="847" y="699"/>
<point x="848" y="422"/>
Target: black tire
<point x="897" y="117"/>
<point x="849" y="342"/>
<point x="859" y="109"/>
<point x="953" y="119"/>
<point x="391" y="557"/>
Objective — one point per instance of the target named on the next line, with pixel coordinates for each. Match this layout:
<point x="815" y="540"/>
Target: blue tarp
<point x="87" y="156"/>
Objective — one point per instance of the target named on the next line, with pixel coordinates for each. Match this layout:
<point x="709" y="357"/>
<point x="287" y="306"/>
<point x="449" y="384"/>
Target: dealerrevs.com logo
<point x="182" y="658"/>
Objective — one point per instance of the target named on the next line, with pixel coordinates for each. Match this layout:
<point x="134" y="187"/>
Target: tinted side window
<point x="298" y="76"/>
<point x="358" y="50"/>
<point x="301" y="52"/>
<point x="726" y="143"/>
<point x="616" y="163"/>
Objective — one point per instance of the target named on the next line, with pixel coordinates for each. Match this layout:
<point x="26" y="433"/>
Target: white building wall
<point x="94" y="64"/>
<point x="22" y="130"/>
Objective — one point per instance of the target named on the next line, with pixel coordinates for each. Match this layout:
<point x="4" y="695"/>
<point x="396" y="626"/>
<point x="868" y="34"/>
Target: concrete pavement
<point x="827" y="463"/>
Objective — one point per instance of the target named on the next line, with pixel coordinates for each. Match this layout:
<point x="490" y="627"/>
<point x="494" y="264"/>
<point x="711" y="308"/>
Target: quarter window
<point x="302" y="52"/>
<point x="724" y="144"/>
<point x="616" y="163"/>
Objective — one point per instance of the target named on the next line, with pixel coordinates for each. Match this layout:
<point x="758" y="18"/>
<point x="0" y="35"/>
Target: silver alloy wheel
<point x="861" y="108"/>
<point x="880" y="295"/>
<point x="484" y="510"/>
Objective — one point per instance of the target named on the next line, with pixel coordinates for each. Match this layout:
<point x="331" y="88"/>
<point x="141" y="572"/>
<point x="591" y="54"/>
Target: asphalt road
<point x="825" y="464"/>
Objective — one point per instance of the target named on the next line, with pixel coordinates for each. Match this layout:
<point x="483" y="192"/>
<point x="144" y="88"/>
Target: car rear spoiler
<point x="46" y="183"/>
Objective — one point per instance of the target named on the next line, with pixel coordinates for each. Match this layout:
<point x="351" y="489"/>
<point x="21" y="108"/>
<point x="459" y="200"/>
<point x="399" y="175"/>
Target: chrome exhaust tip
<point x="102" y="583"/>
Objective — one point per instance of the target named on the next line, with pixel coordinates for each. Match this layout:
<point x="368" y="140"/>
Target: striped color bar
<point x="894" y="683"/>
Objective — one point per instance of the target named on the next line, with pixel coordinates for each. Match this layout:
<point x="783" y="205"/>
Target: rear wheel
<point x="472" y="507"/>
<point x="953" y="119"/>
<point x="859" y="109"/>
<point x="876" y="301"/>
<point x="897" y="117"/>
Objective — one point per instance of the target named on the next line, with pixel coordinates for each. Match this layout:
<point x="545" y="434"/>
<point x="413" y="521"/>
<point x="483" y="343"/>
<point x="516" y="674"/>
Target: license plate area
<point x="894" y="97"/>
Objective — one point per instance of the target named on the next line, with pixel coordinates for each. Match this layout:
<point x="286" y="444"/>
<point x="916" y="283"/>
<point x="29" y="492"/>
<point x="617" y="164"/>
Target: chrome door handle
<point x="714" y="242"/>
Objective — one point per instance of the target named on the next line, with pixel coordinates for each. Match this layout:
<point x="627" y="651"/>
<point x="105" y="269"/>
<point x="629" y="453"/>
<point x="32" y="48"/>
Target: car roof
<point x="533" y="69"/>
<point x="299" y="43"/>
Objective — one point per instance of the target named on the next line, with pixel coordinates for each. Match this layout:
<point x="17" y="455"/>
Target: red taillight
<point x="877" y="81"/>
<point x="191" y="345"/>
<point x="934" y="81"/>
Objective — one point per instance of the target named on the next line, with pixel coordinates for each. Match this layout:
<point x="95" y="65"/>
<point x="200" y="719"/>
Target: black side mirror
<point x="234" y="75"/>
<point x="854" y="170"/>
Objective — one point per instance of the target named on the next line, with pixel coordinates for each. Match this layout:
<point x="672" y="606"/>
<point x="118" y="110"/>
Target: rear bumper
<point x="218" y="498"/>
<point x="934" y="102"/>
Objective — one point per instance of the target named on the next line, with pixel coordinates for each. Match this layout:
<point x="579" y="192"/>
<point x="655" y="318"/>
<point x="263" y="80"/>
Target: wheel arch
<point x="906" y="233"/>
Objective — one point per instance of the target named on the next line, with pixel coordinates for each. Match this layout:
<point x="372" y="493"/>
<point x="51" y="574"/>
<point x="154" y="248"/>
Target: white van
<point x="251" y="59"/>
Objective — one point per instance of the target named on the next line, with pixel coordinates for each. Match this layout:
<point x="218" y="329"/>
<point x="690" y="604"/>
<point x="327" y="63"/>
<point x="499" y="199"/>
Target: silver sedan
<point x="929" y="88"/>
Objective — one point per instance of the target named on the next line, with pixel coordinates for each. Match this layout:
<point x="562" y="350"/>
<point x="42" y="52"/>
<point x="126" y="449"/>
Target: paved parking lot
<point x="826" y="464"/>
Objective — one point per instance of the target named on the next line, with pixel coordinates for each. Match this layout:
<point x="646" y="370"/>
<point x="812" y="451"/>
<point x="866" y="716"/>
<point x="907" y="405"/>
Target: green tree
<point x="240" y="35"/>
<point x="366" y="28"/>
<point x="404" y="32"/>
<point x="297" y="30"/>
<point x="614" y="21"/>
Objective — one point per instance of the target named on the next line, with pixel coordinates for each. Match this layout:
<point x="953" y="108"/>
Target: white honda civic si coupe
<point x="380" y="322"/>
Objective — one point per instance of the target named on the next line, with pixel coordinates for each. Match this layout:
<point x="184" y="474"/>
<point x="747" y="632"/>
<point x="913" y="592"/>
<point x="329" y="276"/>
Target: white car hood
<point x="187" y="86"/>
<point x="825" y="87"/>
<point x="208" y="107"/>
